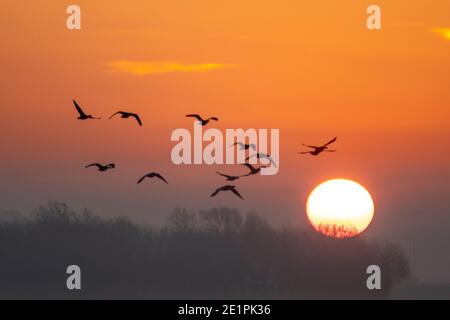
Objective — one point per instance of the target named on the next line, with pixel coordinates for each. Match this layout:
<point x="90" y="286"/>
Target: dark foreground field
<point x="213" y="254"/>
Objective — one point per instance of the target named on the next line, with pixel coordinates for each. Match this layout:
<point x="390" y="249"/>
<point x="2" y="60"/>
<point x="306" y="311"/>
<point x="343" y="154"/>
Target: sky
<point x="311" y="69"/>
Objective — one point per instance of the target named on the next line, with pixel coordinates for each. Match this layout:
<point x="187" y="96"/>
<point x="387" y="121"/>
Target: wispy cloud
<point x="444" y="32"/>
<point x="160" y="67"/>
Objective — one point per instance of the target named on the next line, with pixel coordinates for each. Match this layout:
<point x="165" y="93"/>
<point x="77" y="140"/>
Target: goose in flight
<point x="229" y="178"/>
<point x="203" y="122"/>
<point x="245" y="146"/>
<point x="152" y="175"/>
<point x="319" y="150"/>
<point x="252" y="169"/>
<point x="126" y="115"/>
<point x="262" y="156"/>
<point x="101" y="167"/>
<point x="83" y="115"/>
<point x="227" y="188"/>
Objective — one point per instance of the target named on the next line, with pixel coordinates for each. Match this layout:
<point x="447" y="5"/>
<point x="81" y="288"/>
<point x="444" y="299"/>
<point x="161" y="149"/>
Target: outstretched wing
<point x="223" y="175"/>
<point x="248" y="165"/>
<point x="118" y="112"/>
<point x="157" y="175"/>
<point x="80" y="111"/>
<point x="253" y="146"/>
<point x="271" y="161"/>
<point x="142" y="179"/>
<point x="216" y="192"/>
<point x="330" y="142"/>
<point x="306" y="145"/>
<point x="214" y="118"/>
<point x="236" y="193"/>
<point x="194" y="116"/>
<point x="138" y="119"/>
<point x="306" y="152"/>
<point x="248" y="158"/>
<point x="98" y="165"/>
<point x="267" y="157"/>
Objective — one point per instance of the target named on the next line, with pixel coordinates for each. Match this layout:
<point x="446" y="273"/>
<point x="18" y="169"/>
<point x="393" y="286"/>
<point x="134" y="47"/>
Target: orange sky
<point x="311" y="69"/>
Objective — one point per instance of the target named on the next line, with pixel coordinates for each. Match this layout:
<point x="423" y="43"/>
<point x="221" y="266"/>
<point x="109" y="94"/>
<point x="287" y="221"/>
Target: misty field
<point x="212" y="254"/>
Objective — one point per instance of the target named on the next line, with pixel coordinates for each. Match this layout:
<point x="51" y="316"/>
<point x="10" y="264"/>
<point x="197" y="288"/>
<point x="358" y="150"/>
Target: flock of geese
<point x="315" y="151"/>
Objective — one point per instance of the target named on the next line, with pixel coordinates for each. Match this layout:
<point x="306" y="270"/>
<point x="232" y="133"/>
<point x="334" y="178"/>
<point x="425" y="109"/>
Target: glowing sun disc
<point x="340" y="208"/>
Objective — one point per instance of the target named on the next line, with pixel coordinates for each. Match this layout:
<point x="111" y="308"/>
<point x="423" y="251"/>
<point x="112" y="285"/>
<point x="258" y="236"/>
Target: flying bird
<point x="245" y="146"/>
<point x="229" y="178"/>
<point x="203" y="122"/>
<point x="152" y="175"/>
<point x="126" y="115"/>
<point x="252" y="169"/>
<point x="227" y="188"/>
<point x="83" y="115"/>
<point x="102" y="167"/>
<point x="319" y="150"/>
<point x="262" y="156"/>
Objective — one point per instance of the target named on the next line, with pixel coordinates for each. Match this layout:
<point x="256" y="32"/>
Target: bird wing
<point x="214" y="118"/>
<point x="236" y="193"/>
<point x="160" y="177"/>
<point x="253" y="146"/>
<point x="216" y="192"/>
<point x="306" y="145"/>
<point x="118" y="112"/>
<point x="234" y="144"/>
<point x="329" y="150"/>
<point x="94" y="165"/>
<point x="142" y="179"/>
<point x="111" y="165"/>
<point x="306" y="152"/>
<point x="271" y="160"/>
<point x="137" y="118"/>
<point x="330" y="142"/>
<point x="194" y="116"/>
<point x="223" y="175"/>
<point x="248" y="165"/>
<point x="80" y="111"/>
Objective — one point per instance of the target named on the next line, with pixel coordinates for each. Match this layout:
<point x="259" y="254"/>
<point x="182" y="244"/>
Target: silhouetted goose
<point x="83" y="115"/>
<point x="227" y="188"/>
<point x="229" y="178"/>
<point x="319" y="150"/>
<point x="126" y="115"/>
<point x="262" y="156"/>
<point x="152" y="175"/>
<point x="203" y="122"/>
<point x="252" y="169"/>
<point x="245" y="146"/>
<point x="102" y="167"/>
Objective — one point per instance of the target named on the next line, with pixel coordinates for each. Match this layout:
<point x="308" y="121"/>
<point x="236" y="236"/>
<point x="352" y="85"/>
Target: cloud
<point x="160" y="67"/>
<point x="444" y="32"/>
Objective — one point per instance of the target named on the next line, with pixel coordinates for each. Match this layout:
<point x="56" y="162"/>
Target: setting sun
<point x="340" y="208"/>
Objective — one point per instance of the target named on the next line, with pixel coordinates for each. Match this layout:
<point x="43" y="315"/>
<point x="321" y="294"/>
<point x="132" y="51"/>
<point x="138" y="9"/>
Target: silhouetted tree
<point x="214" y="254"/>
<point x="182" y="221"/>
<point x="221" y="220"/>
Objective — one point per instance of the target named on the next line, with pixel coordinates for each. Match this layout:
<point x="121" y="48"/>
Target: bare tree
<point x="180" y="220"/>
<point x="221" y="220"/>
